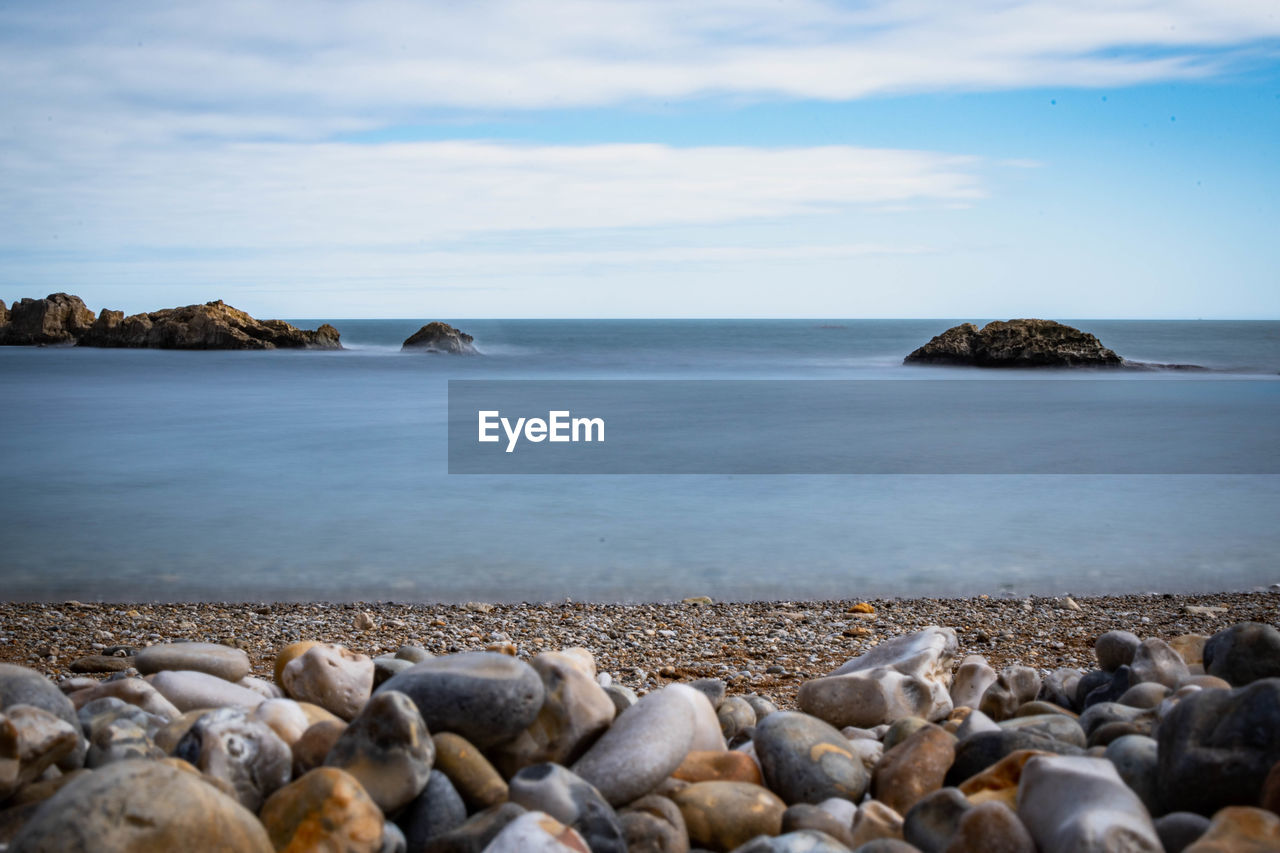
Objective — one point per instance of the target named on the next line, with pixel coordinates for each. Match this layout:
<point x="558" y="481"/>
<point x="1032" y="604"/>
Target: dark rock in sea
<point x="214" y="325"/>
<point x="1016" y="343"/>
<point x="441" y="337"/>
<point x="59" y="318"/>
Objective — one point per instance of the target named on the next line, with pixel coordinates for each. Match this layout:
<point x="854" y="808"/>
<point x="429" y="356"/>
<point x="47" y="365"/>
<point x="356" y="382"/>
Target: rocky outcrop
<point x="1016" y="343"/>
<point x="59" y="318"/>
<point x="214" y="325"/>
<point x="441" y="337"/>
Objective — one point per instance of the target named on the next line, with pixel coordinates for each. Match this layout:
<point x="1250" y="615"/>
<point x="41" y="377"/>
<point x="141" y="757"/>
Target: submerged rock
<point x="1016" y="343"/>
<point x="441" y="337"/>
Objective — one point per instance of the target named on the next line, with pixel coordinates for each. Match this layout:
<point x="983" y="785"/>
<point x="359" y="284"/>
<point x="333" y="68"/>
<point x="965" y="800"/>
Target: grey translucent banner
<point x="1003" y="426"/>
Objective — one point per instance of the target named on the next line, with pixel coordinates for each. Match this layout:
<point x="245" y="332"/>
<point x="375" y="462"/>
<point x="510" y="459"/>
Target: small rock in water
<point x="387" y="749"/>
<point x="227" y="745"/>
<point x="331" y="676"/>
<point x="222" y="661"/>
<point x="325" y="809"/>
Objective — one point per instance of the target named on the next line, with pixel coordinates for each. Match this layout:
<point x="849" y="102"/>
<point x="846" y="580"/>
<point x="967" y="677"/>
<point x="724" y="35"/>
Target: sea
<point x="324" y="475"/>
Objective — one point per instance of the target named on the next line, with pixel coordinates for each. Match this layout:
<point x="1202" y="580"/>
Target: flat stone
<point x="537" y="832"/>
<point x="990" y="828"/>
<point x="476" y="780"/>
<point x="1115" y="649"/>
<point x="1012" y="687"/>
<point x="571" y="800"/>
<point x="716" y="766"/>
<point x="22" y="686"/>
<point x="876" y="822"/>
<point x="644" y="745"/>
<point x="980" y="751"/>
<point x="100" y="663"/>
<point x="1244" y="653"/>
<point x="413" y="654"/>
<point x="905" y="676"/>
<point x="189" y="690"/>
<point x="930" y="822"/>
<point x="1156" y="661"/>
<point x="805" y="760"/>
<point x="135" y="691"/>
<point x="1147" y="694"/>
<point x="225" y="662"/>
<point x="1178" y="830"/>
<point x="725" y="815"/>
<point x="485" y="697"/>
<point x="227" y="745"/>
<point x="972" y="679"/>
<point x="575" y="711"/>
<point x="1240" y="829"/>
<point x="653" y="824"/>
<point x="999" y="782"/>
<point x="808" y="816"/>
<point x="1060" y="727"/>
<point x="913" y="768"/>
<point x="326" y="809"/>
<point x="141" y="807"/>
<point x="31" y="741"/>
<point x="387" y="749"/>
<point x="439" y="809"/>
<point x="1111" y="712"/>
<point x="331" y="676"/>
<point x="1073" y="804"/>
<point x="798" y="841"/>
<point x="1217" y="746"/>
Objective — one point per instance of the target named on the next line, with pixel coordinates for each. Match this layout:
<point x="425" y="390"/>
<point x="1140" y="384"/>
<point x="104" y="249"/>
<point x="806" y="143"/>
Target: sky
<point x="645" y="158"/>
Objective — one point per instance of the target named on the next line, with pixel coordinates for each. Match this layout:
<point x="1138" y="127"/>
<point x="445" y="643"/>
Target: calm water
<point x="301" y="475"/>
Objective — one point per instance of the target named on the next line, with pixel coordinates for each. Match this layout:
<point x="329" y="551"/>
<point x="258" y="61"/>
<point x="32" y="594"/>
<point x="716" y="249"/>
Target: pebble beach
<point x="1139" y="722"/>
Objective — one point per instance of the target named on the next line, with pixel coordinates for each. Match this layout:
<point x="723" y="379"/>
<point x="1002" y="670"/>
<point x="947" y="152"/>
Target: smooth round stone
<point x="386" y="667"/>
<point x="225" y="662"/>
<point x="227" y="745"/>
<point x="1115" y="649"/>
<point x="805" y="760"/>
<point x="713" y="688"/>
<point x="288" y="654"/>
<point x="901" y="729"/>
<point x="480" y="829"/>
<point x="387" y="749"/>
<point x="1038" y="708"/>
<point x="1216" y="747"/>
<point x="537" y="832"/>
<point x="100" y="663"/>
<point x="930" y="823"/>
<point x="876" y="822"/>
<point x="331" y="676"/>
<point x="725" y="815"/>
<point x="1012" y="687"/>
<point x="1148" y="694"/>
<point x="479" y="783"/>
<point x="1060" y="687"/>
<point x="437" y="810"/>
<point x="975" y="722"/>
<point x="393" y="840"/>
<point x="309" y="751"/>
<point x="140" y="807"/>
<point x="990" y="828"/>
<point x="887" y="845"/>
<point x="762" y="706"/>
<point x="1110" y="712"/>
<point x="621" y="696"/>
<point x="134" y="691"/>
<point x="735" y="715"/>
<point x="265" y="689"/>
<point x="715" y="766"/>
<point x="1109" y="690"/>
<point x="1240" y="829"/>
<point x="1060" y="727"/>
<point x="284" y="717"/>
<point x="971" y="680"/>
<point x="1190" y="647"/>
<point x="706" y="726"/>
<point x="574" y="712"/>
<point x="118" y="738"/>
<point x="1135" y="759"/>
<point x="569" y="799"/>
<point x="485" y="697"/>
<point x="22" y="686"/>
<point x="31" y="740"/>
<point x="1178" y="830"/>
<point x="978" y="752"/>
<point x="803" y="816"/>
<point x="187" y="690"/>
<point x="413" y="654"/>
<point x="913" y="768"/>
<point x="799" y="841"/>
<point x="841" y="809"/>
<point x="326" y="809"/>
<point x="1155" y="661"/>
<point x="643" y="746"/>
<point x="1073" y="804"/>
<point x="1243" y="653"/>
<point x="653" y="824"/>
<point x="869" y="752"/>
<point x="999" y="782"/>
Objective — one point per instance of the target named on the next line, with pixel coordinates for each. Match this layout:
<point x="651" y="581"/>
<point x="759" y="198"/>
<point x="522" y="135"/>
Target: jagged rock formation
<point x="441" y="337"/>
<point x="1016" y="343"/>
<point x="214" y="325"/>
<point x="59" y="318"/>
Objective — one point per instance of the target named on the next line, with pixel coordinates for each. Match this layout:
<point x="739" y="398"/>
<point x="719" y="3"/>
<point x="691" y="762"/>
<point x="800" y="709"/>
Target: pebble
<point x="1243" y="653"/>
<point x="485" y="697"/>
<point x="568" y="798"/>
<point x="536" y="832"/>
<point x="713" y="688"/>
<point x="309" y="751"/>
<point x="227" y="745"/>
<point x="22" y="686"/>
<point x="288" y="654"/>
<point x="990" y="827"/>
<point x="119" y="737"/>
<point x="101" y="663"/>
<point x="1060" y="686"/>
<point x="904" y="676"/>
<point x="476" y="780"/>
<point x="913" y="768"/>
<point x="1240" y="829"/>
<point x="31" y="741"/>
<point x="1074" y="804"/>
<point x="736" y="717"/>
<point x="980" y="751"/>
<point x="803" y="816"/>
<point x="972" y="679"/>
<point x="930" y="822"/>
<point x="1178" y="830"/>
<point x="222" y="661"/>
<point x="1115" y="649"/>
<point x="134" y="691"/>
<point x="653" y="824"/>
<point x="188" y="690"/>
<point x="325" y="809"/>
<point x="1134" y="757"/>
<point x="717" y="766"/>
<point x="876" y="822"/>
<point x="437" y="810"/>
<point x="725" y="815"/>
<point x="331" y="676"/>
<point x="1012" y="687"/>
<point x="480" y="829"/>
<point x="621" y="696"/>
<point x="1059" y="727"/>
<point x="1148" y="694"/>
<point x="285" y="717"/>
<point x="799" y="841"/>
<point x="142" y="807"/>
<point x="387" y="749"/>
<point x="1156" y="661"/>
<point x="999" y="782"/>
<point x="642" y="747"/>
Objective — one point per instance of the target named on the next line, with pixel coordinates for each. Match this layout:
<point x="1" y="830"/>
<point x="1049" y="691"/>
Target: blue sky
<point x="641" y="158"/>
